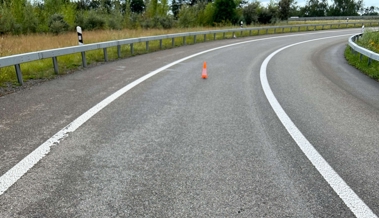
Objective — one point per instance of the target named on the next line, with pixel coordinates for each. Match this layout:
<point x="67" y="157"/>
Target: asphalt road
<point x="180" y="146"/>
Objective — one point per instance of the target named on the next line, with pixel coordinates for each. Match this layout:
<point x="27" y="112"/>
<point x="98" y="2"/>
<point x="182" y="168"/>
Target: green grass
<point x="361" y="63"/>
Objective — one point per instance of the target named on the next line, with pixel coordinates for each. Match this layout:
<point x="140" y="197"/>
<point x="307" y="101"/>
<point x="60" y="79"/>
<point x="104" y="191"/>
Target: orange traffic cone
<point x="204" y="75"/>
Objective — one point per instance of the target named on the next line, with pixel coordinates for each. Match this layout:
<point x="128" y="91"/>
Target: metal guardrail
<point x="342" y="18"/>
<point x="362" y="51"/>
<point x="16" y="60"/>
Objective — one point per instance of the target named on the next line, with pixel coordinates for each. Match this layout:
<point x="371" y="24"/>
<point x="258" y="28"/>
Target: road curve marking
<point x="17" y="171"/>
<point x="349" y="197"/>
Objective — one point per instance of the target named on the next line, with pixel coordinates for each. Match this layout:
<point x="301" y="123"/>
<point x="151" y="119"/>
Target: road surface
<point x="176" y="145"/>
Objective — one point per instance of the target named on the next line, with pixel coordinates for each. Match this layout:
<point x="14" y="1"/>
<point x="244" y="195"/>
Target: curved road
<point x="176" y="145"/>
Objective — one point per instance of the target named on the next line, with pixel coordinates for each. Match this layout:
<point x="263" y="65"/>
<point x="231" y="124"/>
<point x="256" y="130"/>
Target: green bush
<point x="7" y="21"/>
<point x="57" y="24"/>
<point x="165" y="22"/>
<point x="94" y="21"/>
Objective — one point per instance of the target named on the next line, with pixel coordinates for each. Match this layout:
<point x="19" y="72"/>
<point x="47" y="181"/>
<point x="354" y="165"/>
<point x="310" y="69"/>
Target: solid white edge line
<point x="349" y="197"/>
<point x="16" y="172"/>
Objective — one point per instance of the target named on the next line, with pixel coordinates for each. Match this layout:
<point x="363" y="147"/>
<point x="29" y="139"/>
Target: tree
<point x="137" y="6"/>
<point x="284" y="9"/>
<point x="250" y="12"/>
<point x="315" y="8"/>
<point x="224" y="11"/>
<point x="345" y="7"/>
<point x="175" y="7"/>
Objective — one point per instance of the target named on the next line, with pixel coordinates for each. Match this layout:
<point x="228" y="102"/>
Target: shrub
<point x="94" y="21"/>
<point x="57" y="24"/>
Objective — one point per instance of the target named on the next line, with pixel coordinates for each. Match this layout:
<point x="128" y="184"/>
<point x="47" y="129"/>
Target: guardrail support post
<point x="223" y="35"/>
<point x="147" y="45"/>
<point x="369" y="61"/>
<point x="360" y="57"/>
<point x="160" y="44"/>
<point x="19" y="74"/>
<point x="274" y="30"/>
<point x="283" y="30"/>
<point x="194" y="39"/>
<point x="119" y="51"/>
<point x="266" y="31"/>
<point x="173" y="42"/>
<point x="184" y="40"/>
<point x="205" y="37"/>
<point x="241" y="33"/>
<point x="214" y="36"/>
<point x="84" y="61"/>
<point x="298" y="29"/>
<point x="250" y="33"/>
<point x="259" y="32"/>
<point x="55" y="64"/>
<point x="131" y="49"/>
<point x="105" y="54"/>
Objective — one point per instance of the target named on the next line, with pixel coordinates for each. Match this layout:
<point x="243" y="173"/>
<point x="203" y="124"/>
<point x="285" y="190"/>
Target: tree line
<point x="57" y="16"/>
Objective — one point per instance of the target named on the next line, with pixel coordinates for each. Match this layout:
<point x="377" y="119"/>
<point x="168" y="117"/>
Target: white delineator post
<point x="80" y="35"/>
<point x="80" y="39"/>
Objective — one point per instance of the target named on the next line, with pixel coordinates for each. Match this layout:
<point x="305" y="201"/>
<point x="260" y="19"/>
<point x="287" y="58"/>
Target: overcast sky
<point x="367" y="3"/>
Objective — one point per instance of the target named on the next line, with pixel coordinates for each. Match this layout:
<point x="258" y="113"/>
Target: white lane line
<point x="352" y="200"/>
<point x="16" y="172"/>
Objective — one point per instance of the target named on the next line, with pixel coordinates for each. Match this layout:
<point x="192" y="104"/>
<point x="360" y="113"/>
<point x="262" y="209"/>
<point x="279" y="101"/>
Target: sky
<point x="367" y="3"/>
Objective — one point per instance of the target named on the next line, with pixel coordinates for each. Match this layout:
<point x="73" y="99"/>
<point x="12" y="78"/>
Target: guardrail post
<point x="19" y="74"/>
<point x="241" y="33"/>
<point x="298" y="29"/>
<point x="283" y="30"/>
<point x="223" y="35"/>
<point x="266" y="31"/>
<point x="274" y="30"/>
<point x="205" y="37"/>
<point x="369" y="61"/>
<point x="105" y="54"/>
<point x="360" y="57"/>
<point x="184" y="40"/>
<point x="147" y="45"/>
<point x="322" y="28"/>
<point x="131" y="49"/>
<point x="119" y="51"/>
<point x="84" y="61"/>
<point x="194" y="39"/>
<point x="55" y="64"/>
<point x="250" y="33"/>
<point x="173" y="42"/>
<point x="214" y="36"/>
<point x="160" y="44"/>
<point x="291" y="29"/>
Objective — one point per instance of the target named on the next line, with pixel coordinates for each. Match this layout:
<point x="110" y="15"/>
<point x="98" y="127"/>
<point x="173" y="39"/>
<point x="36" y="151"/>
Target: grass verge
<point x="361" y="63"/>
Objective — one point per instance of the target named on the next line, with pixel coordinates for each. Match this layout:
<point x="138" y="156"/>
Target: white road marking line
<point x="349" y="197"/>
<point x="16" y="172"/>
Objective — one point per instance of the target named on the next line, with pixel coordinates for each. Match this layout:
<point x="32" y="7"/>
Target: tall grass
<point x="369" y="40"/>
